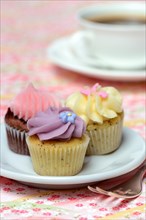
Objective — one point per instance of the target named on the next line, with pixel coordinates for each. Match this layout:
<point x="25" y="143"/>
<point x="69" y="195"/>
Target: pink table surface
<point x="27" y="28"/>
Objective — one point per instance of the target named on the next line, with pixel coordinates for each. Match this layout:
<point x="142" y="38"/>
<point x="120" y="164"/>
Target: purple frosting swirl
<point x="59" y="124"/>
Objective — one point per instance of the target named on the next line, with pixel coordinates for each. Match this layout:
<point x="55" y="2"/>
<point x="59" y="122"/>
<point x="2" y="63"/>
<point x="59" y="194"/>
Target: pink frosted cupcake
<point x="24" y="106"/>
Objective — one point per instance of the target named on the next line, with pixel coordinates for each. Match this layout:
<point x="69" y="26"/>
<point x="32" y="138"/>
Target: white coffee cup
<point x="119" y="45"/>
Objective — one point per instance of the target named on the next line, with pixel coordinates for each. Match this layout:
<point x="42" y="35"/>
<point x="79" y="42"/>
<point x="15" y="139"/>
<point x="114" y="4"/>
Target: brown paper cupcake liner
<point x="58" y="161"/>
<point x="17" y="140"/>
<point x="105" y="140"/>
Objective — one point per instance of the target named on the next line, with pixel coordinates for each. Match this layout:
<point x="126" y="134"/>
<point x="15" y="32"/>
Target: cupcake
<point x="24" y="106"/>
<point x="101" y="109"/>
<point x="57" y="142"/>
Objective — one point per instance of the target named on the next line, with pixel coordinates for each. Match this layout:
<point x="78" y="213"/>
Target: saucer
<point x="60" y="53"/>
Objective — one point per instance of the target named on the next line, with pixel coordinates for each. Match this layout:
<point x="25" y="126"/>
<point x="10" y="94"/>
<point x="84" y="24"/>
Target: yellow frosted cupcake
<point x="101" y="109"/>
<point x="57" y="142"/>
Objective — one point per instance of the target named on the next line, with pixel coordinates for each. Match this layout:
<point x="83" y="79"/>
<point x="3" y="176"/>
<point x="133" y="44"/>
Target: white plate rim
<point x="56" y="56"/>
<point x="83" y="179"/>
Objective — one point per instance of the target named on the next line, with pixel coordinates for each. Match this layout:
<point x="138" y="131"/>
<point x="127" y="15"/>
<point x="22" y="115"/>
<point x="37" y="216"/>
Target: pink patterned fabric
<point x="27" y="28"/>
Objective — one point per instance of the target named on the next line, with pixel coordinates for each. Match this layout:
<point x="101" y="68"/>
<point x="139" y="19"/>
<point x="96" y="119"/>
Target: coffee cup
<point x="112" y="34"/>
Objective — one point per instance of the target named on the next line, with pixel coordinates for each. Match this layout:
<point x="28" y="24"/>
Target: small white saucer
<point x="60" y="54"/>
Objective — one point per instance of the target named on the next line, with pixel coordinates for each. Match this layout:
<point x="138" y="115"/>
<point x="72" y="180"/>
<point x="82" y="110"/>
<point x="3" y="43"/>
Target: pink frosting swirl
<point x="59" y="124"/>
<point x="30" y="101"/>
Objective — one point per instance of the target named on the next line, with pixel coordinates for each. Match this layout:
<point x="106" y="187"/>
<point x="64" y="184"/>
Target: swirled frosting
<point x="58" y="124"/>
<point x="96" y="104"/>
<point x="30" y="101"/>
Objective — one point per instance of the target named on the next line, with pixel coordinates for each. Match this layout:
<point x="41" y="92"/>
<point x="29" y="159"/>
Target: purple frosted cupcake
<point x="57" y="142"/>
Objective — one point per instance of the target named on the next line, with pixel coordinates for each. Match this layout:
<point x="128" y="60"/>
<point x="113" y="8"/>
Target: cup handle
<point x="80" y="45"/>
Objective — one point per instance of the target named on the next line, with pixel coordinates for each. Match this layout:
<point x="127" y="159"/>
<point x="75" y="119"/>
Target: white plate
<point x="60" y="54"/>
<point x="96" y="168"/>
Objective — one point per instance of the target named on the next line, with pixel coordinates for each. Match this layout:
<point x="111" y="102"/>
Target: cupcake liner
<point x="17" y="140"/>
<point x="49" y="160"/>
<point x="105" y="140"/>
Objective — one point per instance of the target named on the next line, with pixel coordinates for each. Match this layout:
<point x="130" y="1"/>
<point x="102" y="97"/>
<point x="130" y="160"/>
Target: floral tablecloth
<point x="27" y="29"/>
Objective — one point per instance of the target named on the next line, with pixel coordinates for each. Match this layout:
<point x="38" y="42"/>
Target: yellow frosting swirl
<point x="96" y="104"/>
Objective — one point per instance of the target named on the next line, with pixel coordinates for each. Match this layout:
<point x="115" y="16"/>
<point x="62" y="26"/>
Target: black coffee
<point x="119" y="19"/>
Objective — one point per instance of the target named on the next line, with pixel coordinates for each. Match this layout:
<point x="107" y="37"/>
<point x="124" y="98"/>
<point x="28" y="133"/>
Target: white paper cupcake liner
<point x="17" y="140"/>
<point x="105" y="140"/>
<point x="58" y="161"/>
